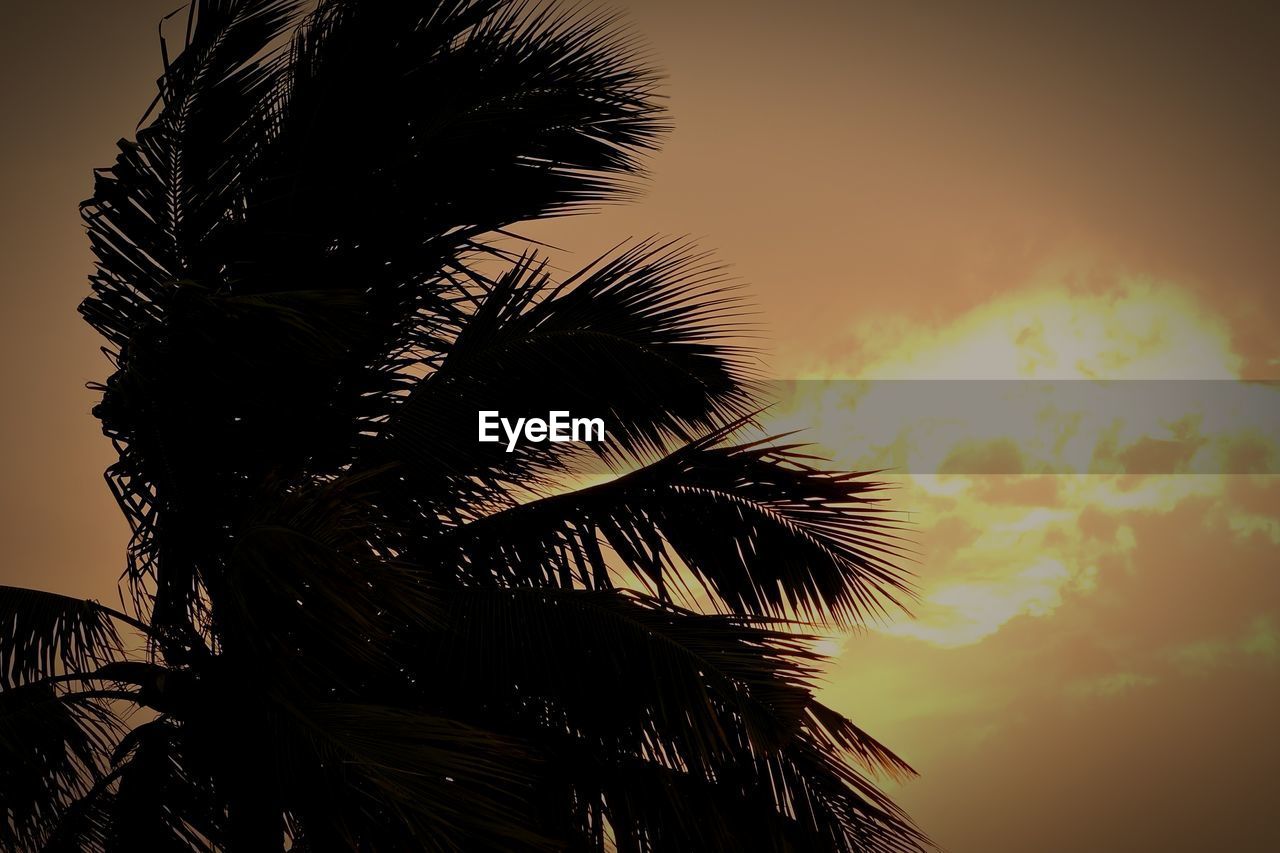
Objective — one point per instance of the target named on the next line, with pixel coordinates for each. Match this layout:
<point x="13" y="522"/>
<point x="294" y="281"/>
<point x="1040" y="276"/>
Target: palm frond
<point x="838" y="735"/>
<point x="659" y="313"/>
<point x="157" y="804"/>
<point x="153" y="210"/>
<point x="53" y="746"/>
<point x="759" y="528"/>
<point x="309" y="588"/>
<point x="673" y="724"/>
<point x="408" y="779"/>
<point x="42" y="633"/>
<point x="657" y="677"/>
<point x="449" y="120"/>
<point x="656" y="809"/>
<point x="85" y="826"/>
<point x="148" y="801"/>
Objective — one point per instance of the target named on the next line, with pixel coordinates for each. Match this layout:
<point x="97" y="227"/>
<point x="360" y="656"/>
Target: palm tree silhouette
<point x="361" y="629"/>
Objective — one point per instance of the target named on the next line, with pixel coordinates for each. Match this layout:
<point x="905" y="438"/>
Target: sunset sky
<point x="990" y="190"/>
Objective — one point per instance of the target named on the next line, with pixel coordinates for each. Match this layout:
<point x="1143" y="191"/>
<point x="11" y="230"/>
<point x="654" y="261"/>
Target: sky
<point x="910" y="191"/>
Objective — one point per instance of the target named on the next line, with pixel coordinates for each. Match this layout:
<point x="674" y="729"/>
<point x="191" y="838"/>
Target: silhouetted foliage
<point x="360" y="628"/>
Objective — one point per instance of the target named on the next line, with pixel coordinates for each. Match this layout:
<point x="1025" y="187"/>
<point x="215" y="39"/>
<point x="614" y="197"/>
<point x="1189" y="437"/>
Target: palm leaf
<point x="53" y="746"/>
<point x="625" y="667"/>
<point x="446" y="121"/>
<point x="158" y="805"/>
<point x="42" y="633"/>
<point x="758" y="528"/>
<point x="675" y="725"/>
<point x="658" y="313"/>
<point x="153" y="209"/>
<point x="650" y="807"/>
<point x="311" y="589"/>
<point x="408" y="779"/>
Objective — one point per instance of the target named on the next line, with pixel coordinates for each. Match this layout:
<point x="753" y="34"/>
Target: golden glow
<point x="1000" y="546"/>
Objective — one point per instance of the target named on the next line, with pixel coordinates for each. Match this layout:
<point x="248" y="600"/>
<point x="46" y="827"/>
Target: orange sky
<point x="990" y="190"/>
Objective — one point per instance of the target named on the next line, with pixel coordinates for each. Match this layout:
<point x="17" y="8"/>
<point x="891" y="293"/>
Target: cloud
<point x="1071" y="625"/>
<point x="1002" y="532"/>
<point x="1259" y="640"/>
<point x="1111" y="684"/>
<point x="1137" y="328"/>
<point x="964" y="612"/>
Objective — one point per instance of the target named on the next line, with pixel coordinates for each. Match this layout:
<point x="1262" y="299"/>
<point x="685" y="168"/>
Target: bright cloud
<point x="1111" y="684"/>
<point x="1137" y="329"/>
<point x="964" y="612"/>
<point x="991" y="554"/>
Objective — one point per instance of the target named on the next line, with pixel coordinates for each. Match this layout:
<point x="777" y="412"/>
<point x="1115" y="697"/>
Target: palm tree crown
<point x="360" y="628"/>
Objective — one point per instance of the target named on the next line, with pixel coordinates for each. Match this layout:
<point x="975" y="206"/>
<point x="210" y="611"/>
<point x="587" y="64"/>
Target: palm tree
<point x="357" y="628"/>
